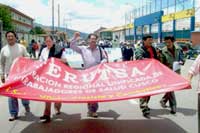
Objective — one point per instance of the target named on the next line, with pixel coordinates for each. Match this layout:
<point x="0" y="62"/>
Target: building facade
<point x="22" y="23"/>
<point x="106" y="34"/>
<point x="119" y="34"/>
<point x="165" y="17"/>
<point x="97" y="32"/>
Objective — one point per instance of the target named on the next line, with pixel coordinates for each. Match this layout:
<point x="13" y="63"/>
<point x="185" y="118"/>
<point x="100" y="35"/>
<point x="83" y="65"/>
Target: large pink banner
<point x="55" y="81"/>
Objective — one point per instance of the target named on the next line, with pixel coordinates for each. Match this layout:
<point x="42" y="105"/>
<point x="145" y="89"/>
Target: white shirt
<point x="8" y="55"/>
<point x="45" y="54"/>
<point x="90" y="57"/>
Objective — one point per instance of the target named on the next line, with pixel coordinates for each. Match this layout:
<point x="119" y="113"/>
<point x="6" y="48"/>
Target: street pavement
<point x="114" y="117"/>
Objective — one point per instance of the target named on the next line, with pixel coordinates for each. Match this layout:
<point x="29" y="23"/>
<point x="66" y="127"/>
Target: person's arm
<point x="162" y="58"/>
<point x="73" y="43"/>
<point x="104" y="56"/>
<point x="190" y="76"/>
<point x="64" y="58"/>
<point x="194" y="69"/>
<point x="138" y="54"/>
<point x="2" y="66"/>
<point x="25" y="53"/>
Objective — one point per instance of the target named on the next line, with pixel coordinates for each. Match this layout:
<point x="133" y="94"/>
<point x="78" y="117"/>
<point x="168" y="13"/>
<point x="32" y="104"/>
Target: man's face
<point x="11" y="38"/>
<point x="49" y="42"/>
<point x="92" y="40"/>
<point x="169" y="43"/>
<point x="148" y="41"/>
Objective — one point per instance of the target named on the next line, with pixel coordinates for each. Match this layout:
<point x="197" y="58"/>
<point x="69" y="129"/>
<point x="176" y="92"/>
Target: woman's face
<point x="49" y="42"/>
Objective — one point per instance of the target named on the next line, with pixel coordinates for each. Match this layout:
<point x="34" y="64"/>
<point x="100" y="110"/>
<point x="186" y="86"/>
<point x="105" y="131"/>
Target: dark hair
<point x="12" y="33"/>
<point x="50" y="36"/>
<point x="32" y="41"/>
<point x="144" y="38"/>
<point x="169" y="38"/>
<point x="92" y="34"/>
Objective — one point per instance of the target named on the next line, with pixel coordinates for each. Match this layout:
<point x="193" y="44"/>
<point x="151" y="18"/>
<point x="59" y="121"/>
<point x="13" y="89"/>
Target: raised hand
<point x="76" y="35"/>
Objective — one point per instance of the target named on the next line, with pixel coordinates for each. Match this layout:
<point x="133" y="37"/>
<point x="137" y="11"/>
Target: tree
<point x="37" y="30"/>
<point x="5" y="16"/>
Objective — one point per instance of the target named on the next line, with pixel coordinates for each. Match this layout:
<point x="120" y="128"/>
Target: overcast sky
<point x="81" y="15"/>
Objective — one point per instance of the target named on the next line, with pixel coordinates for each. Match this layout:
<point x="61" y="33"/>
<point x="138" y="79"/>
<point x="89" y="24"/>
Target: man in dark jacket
<point x="127" y="52"/>
<point x="171" y="53"/>
<point x="142" y="52"/>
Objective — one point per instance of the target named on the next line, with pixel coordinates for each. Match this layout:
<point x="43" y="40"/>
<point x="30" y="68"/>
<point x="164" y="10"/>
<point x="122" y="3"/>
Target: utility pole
<point x="53" y="17"/>
<point x="66" y="22"/>
<point x="58" y="16"/>
<point x="1" y="32"/>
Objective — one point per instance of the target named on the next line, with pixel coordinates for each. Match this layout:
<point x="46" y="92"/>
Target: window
<point x="12" y="15"/>
<point x="138" y="12"/>
<point x="153" y="6"/>
<point x="127" y="32"/>
<point x="179" y="6"/>
<point x="146" y="29"/>
<point x="183" y="24"/>
<point x="165" y="10"/>
<point x="131" y="31"/>
<point x="148" y="8"/>
<point x="158" y="5"/>
<point x="188" y="4"/>
<point x="134" y="13"/>
<point x="144" y="10"/>
<point x="171" y="9"/>
<point x="139" y="30"/>
<point x="164" y="4"/>
<point x="171" y="3"/>
<point x="167" y="26"/>
<point x="154" y="28"/>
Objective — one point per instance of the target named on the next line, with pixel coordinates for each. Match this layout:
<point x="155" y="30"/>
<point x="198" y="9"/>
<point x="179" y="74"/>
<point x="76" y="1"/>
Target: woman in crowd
<point x="47" y="52"/>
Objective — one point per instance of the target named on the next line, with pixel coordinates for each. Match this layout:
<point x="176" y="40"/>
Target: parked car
<point x="193" y="52"/>
<point x="159" y="45"/>
<point x="184" y="45"/>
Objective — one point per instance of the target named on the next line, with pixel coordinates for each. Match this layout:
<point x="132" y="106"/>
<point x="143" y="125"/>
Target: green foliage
<point x="37" y="30"/>
<point x="5" y="16"/>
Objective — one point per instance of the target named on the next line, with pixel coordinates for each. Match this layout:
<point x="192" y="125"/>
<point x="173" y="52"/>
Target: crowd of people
<point x="92" y="55"/>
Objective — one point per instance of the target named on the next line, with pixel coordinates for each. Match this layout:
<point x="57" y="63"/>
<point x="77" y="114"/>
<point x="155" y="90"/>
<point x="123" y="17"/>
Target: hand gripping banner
<point x="54" y="81"/>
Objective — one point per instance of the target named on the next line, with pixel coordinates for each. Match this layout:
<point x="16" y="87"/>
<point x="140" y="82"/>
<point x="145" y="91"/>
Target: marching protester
<point x="193" y="71"/>
<point x="23" y="42"/>
<point x="142" y="52"/>
<point x="30" y="48"/>
<point x="91" y="55"/>
<point x="171" y="54"/>
<point x="8" y="54"/>
<point x="34" y="47"/>
<point x="47" y="52"/>
<point x="127" y="52"/>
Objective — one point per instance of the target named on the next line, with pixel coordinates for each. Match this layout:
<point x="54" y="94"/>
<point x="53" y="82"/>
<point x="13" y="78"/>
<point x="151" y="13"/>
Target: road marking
<point x="133" y="101"/>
